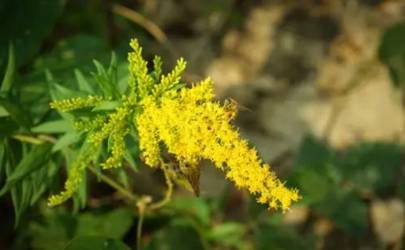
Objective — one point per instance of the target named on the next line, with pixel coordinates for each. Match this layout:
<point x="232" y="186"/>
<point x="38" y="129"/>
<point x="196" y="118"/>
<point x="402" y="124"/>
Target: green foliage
<point x="39" y="147"/>
<point x="96" y="242"/>
<point x="345" y="180"/>
<point x="60" y="229"/>
<point x="25" y="24"/>
<point x="274" y="235"/>
<point x="392" y="52"/>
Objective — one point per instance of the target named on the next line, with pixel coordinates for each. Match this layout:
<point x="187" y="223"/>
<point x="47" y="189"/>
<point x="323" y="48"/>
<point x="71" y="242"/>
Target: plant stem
<point x="141" y="210"/>
<point x="168" y="193"/>
<point x="114" y="185"/>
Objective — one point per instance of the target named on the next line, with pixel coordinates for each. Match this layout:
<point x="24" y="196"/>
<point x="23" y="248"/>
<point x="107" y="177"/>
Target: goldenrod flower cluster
<point x="76" y="103"/>
<point x="194" y="127"/>
<point x="186" y="122"/>
<point x="75" y="177"/>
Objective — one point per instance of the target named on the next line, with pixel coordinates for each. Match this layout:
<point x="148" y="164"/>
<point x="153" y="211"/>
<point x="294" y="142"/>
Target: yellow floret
<point x="194" y="127"/>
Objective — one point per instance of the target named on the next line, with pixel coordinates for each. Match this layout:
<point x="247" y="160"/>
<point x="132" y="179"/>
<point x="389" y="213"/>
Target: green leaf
<point x="179" y="237"/>
<point x="80" y="196"/>
<point x="57" y="126"/>
<point x="3" y="112"/>
<point x="313" y="153"/>
<point x="59" y="92"/>
<point x="7" y="127"/>
<point x="16" y="111"/>
<point x="26" y="23"/>
<point x="84" y="85"/>
<point x="313" y="185"/>
<point x="192" y="206"/>
<point x="2" y="158"/>
<point x="347" y="211"/>
<point x="107" y="79"/>
<point x="54" y="232"/>
<point x="115" y="223"/>
<point x="392" y="52"/>
<point x="128" y="156"/>
<point x="9" y="74"/>
<point x="131" y="154"/>
<point x="276" y="236"/>
<point x="228" y="234"/>
<point x="372" y="167"/>
<point x="95" y="242"/>
<point x="67" y="139"/>
<point x="106" y="105"/>
<point x="33" y="161"/>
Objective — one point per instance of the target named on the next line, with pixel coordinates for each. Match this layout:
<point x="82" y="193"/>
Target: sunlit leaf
<point x="57" y="126"/>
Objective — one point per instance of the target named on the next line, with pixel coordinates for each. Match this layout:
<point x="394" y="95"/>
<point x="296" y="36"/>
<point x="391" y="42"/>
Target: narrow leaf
<point x="66" y="140"/>
<point x="33" y="161"/>
<point x="57" y="126"/>
<point x="9" y="74"/>
<point x="84" y="85"/>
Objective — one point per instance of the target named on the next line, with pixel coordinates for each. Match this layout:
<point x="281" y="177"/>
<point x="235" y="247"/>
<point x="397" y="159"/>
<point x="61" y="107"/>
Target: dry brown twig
<point x="140" y="20"/>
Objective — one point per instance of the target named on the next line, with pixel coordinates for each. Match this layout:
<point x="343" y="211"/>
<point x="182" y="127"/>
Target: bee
<point x="232" y="107"/>
<point x="186" y="175"/>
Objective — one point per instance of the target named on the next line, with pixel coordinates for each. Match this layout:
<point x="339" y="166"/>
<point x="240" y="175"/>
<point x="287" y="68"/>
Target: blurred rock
<point x="296" y="215"/>
<point x="245" y="52"/>
<point x="371" y="111"/>
<point x="388" y="219"/>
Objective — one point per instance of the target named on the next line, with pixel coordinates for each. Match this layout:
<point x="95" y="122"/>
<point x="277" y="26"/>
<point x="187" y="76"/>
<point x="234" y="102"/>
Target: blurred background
<point x="321" y="90"/>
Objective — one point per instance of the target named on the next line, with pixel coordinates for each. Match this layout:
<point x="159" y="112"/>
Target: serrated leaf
<point x="10" y="69"/>
<point x="57" y="126"/>
<point x="66" y="140"/>
<point x="95" y="242"/>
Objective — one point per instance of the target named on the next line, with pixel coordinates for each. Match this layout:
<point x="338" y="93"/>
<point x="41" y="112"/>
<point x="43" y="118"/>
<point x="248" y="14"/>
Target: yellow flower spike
<point x="117" y="149"/>
<point x="194" y="127"/>
<point x="140" y="82"/>
<point x="76" y="103"/>
<point x="75" y="177"/>
<point x="89" y="125"/>
<point x="188" y="121"/>
<point x="170" y="80"/>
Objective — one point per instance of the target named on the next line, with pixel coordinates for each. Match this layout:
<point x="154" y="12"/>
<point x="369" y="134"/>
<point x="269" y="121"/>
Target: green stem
<point x="168" y="193"/>
<point x="114" y="185"/>
<point x="139" y="228"/>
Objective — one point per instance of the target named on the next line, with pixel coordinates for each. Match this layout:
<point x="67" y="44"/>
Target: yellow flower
<point x="186" y="122"/>
<point x="193" y="127"/>
<point x="76" y="103"/>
